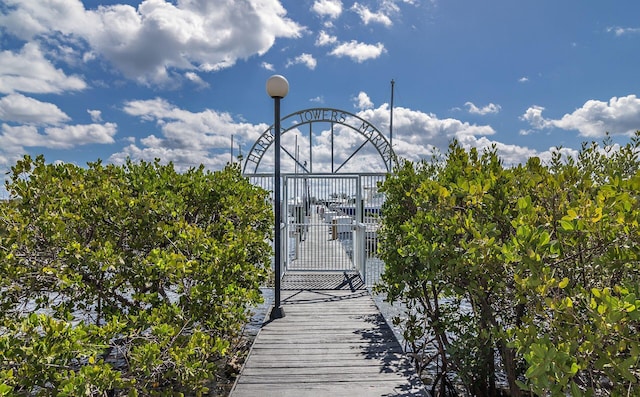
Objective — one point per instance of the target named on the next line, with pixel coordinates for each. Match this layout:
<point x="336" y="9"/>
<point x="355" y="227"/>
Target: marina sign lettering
<point x="322" y="115"/>
<point x="261" y="146"/>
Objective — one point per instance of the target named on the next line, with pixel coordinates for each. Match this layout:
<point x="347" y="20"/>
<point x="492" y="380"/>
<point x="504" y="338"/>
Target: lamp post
<point x="277" y="88"/>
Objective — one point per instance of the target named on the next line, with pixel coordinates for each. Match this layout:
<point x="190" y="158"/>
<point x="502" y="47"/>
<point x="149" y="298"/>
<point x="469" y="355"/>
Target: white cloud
<point x="328" y="8"/>
<point x="620" y="116"/>
<point x="144" y="43"/>
<point x="29" y="71"/>
<point x="18" y="108"/>
<point x="621" y="31"/>
<point x="30" y="18"/>
<point x="523" y="79"/>
<point x="533" y="116"/>
<point x="187" y="137"/>
<point x="192" y="138"/>
<point x="318" y="99"/>
<point x="96" y="115"/>
<point x="509" y="154"/>
<point x="367" y="16"/>
<point x="328" y="24"/>
<point x="183" y="159"/>
<point x="15" y="138"/>
<point x="196" y="79"/>
<point x="69" y="136"/>
<point x="305" y="59"/>
<point x="267" y="66"/>
<point x="546" y="156"/>
<point x="150" y="109"/>
<point x="29" y="122"/>
<point x="362" y="101"/>
<point x="88" y="56"/>
<point x="524" y="132"/>
<point x="491" y="108"/>
<point x="417" y="135"/>
<point x="595" y="118"/>
<point x="357" y="51"/>
<point x="325" y="39"/>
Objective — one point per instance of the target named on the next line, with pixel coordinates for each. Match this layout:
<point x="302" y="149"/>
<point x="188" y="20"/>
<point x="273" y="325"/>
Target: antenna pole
<point x="391" y="116"/>
<point x="231" y="148"/>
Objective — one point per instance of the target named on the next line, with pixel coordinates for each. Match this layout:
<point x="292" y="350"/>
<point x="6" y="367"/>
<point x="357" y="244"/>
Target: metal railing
<point x="330" y="222"/>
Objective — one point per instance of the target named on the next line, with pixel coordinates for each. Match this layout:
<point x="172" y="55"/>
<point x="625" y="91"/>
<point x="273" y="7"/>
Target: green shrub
<point x="538" y="265"/>
<point x="133" y="279"/>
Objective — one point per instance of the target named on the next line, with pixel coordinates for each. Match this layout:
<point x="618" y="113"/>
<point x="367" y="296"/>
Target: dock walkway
<point x="321" y="246"/>
<point x="330" y="343"/>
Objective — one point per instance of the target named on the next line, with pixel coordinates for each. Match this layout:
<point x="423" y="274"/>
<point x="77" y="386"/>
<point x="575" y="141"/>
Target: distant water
<point x="259" y="312"/>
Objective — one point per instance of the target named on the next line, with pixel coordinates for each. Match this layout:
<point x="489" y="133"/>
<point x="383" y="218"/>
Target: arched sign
<point x="328" y="116"/>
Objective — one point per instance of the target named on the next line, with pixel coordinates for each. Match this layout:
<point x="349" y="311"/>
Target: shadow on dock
<point x="331" y="343"/>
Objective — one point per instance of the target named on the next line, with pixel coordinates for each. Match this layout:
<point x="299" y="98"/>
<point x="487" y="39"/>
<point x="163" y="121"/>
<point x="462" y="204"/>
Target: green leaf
<point x="563" y="284"/>
<point x="566" y="225"/>
<point x="575" y="390"/>
<point x="524" y="202"/>
<point x="5" y="389"/>
<point x="544" y="239"/>
<point x="574" y="368"/>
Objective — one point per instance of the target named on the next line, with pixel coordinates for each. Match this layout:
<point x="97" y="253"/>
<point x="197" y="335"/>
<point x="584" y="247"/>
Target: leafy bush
<point x="126" y="279"/>
<point x="529" y="271"/>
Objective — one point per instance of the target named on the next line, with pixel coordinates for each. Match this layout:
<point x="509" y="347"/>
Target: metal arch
<point x="325" y="115"/>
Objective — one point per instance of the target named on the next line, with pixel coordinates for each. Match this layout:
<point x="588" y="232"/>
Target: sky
<point x="181" y="80"/>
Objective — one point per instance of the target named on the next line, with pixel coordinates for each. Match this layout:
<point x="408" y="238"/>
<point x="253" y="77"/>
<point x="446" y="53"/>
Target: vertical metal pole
<point x="231" y="149"/>
<point x="359" y="231"/>
<point x="310" y="148"/>
<point x="391" y="117"/>
<point x="295" y="188"/>
<point x="332" y="148"/>
<point x="277" y="311"/>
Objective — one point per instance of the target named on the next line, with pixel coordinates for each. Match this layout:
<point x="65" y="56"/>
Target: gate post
<point x="359" y="248"/>
<point x="360" y="254"/>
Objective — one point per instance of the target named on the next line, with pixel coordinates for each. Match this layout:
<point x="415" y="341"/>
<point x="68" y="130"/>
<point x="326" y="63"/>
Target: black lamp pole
<point x="277" y="88"/>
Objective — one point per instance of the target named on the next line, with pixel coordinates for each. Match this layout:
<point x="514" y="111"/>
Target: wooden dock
<point x="330" y="343"/>
<point x="322" y="246"/>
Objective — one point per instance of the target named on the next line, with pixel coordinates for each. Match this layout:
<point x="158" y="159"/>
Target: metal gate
<point x="330" y="222"/>
<point x="321" y="218"/>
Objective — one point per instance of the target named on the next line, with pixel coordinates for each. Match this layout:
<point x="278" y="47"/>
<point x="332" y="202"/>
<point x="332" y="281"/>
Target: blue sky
<point x="88" y="80"/>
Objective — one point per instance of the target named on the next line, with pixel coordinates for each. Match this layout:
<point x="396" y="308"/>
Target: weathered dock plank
<point x="330" y="343"/>
<point x="345" y="389"/>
